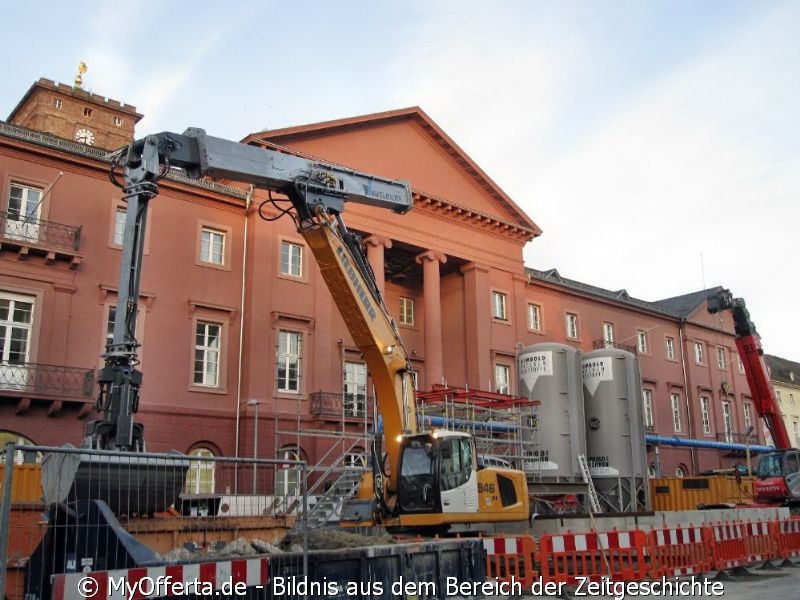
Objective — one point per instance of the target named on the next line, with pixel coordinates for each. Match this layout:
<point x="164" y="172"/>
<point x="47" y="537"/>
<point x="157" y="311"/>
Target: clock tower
<point x="73" y="113"/>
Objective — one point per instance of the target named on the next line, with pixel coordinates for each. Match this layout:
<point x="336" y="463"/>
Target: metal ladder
<point x="327" y="509"/>
<point x="594" y="501"/>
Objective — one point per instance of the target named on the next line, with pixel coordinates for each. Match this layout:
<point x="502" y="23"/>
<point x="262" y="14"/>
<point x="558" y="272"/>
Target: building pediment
<point x="407" y="144"/>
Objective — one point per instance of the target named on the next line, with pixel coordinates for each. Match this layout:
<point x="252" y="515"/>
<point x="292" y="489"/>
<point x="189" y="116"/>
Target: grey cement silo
<point x="553" y="433"/>
<point x="615" y="446"/>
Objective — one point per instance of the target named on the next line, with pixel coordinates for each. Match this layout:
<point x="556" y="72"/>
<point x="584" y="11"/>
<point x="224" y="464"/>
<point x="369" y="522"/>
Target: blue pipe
<point x="692" y="443"/>
<point x="446" y="422"/>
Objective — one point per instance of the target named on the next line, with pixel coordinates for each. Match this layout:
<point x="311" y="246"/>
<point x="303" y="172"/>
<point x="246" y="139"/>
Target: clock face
<point x="84" y="136"/>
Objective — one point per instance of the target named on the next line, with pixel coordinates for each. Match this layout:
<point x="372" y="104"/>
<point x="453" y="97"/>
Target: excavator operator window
<point x="770" y="465"/>
<point x="416" y="489"/>
<point x="791" y="465"/>
<point x="456" y="462"/>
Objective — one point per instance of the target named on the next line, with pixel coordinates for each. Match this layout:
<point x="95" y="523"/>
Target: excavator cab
<point x="438" y="473"/>
<point x="778" y="477"/>
<point x="417" y="485"/>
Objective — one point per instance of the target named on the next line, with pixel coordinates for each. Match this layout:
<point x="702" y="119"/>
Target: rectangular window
<point x="110" y="320"/>
<point x="796" y="430"/>
<point x="16" y="321"/>
<point x="24" y="210"/>
<point x="647" y="404"/>
<point x="748" y="415"/>
<point x="778" y="396"/>
<point x="212" y="246"/>
<point x="208" y="336"/>
<point x="791" y="399"/>
<point x="117" y="122"/>
<point x="641" y="341"/>
<point x="57" y="102"/>
<point x="727" y="420"/>
<point x="355" y="389"/>
<point x="741" y="365"/>
<point x="699" y="357"/>
<point x="534" y="317"/>
<point x="120" y="217"/>
<point x="670" y="342"/>
<point x="675" y="402"/>
<point x="572" y="325"/>
<point x="608" y="334"/>
<point x="291" y="259"/>
<point x="721" y="362"/>
<point x="502" y="379"/>
<point x="499" y="306"/>
<point x="705" y="414"/>
<point x="406" y="311"/>
<point x="288" y="361"/>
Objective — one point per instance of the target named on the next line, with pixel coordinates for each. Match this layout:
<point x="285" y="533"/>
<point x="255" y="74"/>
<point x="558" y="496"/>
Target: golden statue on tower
<point x="82" y="68"/>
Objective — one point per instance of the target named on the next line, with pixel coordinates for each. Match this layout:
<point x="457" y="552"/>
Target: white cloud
<point x="485" y="68"/>
<point x="703" y="161"/>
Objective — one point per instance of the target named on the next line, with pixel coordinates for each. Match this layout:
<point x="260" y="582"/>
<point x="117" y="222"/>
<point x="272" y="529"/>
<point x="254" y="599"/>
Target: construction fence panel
<point x="104" y="511"/>
<point x="728" y="545"/>
<point x="511" y="559"/>
<point x="676" y="551"/>
<point x="574" y="557"/>
<point x="761" y="541"/>
<point x="788" y="535"/>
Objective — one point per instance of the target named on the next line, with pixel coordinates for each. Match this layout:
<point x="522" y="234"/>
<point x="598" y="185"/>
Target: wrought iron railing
<point x="39" y="232"/>
<point x="52" y="380"/>
<point x="733" y="437"/>
<point x="599" y="344"/>
<point x="329" y="404"/>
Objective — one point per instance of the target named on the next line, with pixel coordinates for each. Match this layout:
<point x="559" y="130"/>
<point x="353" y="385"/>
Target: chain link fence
<point x="74" y="510"/>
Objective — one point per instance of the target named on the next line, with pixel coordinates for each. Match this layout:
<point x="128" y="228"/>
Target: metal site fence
<point x="73" y="510"/>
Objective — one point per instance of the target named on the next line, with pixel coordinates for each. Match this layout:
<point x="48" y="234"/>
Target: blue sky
<point x="657" y="144"/>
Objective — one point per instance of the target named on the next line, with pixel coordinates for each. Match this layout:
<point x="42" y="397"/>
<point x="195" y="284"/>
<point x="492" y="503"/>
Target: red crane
<point x="778" y="473"/>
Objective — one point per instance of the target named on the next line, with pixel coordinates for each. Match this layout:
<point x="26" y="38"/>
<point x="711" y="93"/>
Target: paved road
<point x="780" y="584"/>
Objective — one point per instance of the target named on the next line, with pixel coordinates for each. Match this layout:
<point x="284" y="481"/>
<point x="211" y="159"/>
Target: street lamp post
<point x="747" y="435"/>
<point x="255" y="403"/>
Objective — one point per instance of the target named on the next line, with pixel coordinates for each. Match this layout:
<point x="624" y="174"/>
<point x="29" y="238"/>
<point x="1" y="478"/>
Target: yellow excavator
<point x="426" y="479"/>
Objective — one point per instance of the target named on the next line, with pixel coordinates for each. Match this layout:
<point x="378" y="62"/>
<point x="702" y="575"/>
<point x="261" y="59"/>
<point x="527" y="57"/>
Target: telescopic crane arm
<point x="318" y="193"/>
<point x="748" y="344"/>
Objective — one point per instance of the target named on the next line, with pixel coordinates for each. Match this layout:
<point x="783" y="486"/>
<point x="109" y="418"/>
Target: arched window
<point x="287" y="476"/>
<point x="680" y="471"/>
<point x="200" y="477"/>
<point x="357" y="459"/>
<point x="651" y="471"/>
<point x="20" y="456"/>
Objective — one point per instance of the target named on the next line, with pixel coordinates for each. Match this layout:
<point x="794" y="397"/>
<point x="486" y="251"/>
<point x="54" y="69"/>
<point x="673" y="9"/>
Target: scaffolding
<point x="503" y="426"/>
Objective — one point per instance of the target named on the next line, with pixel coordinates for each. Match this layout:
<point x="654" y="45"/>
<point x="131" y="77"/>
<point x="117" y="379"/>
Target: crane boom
<point x="748" y="344"/>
